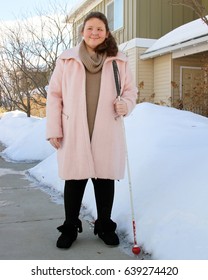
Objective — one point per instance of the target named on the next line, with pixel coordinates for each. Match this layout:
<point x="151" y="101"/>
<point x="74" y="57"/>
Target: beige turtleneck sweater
<point x="93" y="66"/>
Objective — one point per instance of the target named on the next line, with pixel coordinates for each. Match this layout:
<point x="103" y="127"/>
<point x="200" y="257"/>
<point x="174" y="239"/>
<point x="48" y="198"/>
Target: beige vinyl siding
<point x="145" y="77"/>
<point x="162" y="80"/>
<point x="142" y="73"/>
<point x="132" y="54"/>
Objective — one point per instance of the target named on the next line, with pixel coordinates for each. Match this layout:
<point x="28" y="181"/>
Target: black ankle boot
<point x="106" y="231"/>
<point x="69" y="234"/>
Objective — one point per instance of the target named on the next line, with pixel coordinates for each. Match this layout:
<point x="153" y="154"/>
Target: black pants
<point x="73" y="194"/>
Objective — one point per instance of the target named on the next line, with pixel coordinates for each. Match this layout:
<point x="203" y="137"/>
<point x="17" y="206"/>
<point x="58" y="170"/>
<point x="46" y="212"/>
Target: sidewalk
<point x="28" y="221"/>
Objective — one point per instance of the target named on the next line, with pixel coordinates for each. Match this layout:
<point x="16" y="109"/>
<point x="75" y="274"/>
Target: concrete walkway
<point x="28" y="222"/>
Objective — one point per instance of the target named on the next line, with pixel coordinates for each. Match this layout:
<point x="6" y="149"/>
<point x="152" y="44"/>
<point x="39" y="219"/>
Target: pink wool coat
<point x="78" y="157"/>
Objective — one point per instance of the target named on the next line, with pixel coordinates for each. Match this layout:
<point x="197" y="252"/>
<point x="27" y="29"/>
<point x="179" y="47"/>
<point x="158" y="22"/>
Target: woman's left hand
<point x="120" y="108"/>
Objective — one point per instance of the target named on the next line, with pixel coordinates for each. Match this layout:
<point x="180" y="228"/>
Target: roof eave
<point x="203" y="40"/>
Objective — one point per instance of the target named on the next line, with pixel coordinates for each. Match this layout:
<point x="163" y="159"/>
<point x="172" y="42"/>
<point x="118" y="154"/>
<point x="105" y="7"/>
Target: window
<point x="110" y="15"/>
<point x="118" y="14"/>
<point x="115" y="14"/>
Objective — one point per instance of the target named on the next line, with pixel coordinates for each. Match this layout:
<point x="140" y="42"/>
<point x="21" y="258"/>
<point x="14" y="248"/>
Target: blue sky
<point x="15" y="9"/>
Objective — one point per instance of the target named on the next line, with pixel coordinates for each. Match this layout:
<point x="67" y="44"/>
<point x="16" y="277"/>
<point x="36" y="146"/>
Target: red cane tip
<point x="136" y="250"/>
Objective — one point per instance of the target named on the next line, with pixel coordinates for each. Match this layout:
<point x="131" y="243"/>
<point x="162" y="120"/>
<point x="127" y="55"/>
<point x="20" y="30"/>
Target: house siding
<point x="147" y="19"/>
<point x="145" y="78"/>
<point x="132" y="54"/>
<point x="142" y="18"/>
<point x="162" y="80"/>
<point x="142" y="74"/>
<point x="156" y="18"/>
<point x="124" y="34"/>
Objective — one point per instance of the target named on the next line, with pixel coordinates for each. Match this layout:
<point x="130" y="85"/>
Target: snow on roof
<point x="188" y="32"/>
<point x="137" y="42"/>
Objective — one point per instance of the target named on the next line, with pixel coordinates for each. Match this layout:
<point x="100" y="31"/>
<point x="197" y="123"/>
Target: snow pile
<point x="168" y="154"/>
<point x="24" y="137"/>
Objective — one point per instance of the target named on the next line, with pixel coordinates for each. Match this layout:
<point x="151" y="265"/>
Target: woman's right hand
<point x="55" y="142"/>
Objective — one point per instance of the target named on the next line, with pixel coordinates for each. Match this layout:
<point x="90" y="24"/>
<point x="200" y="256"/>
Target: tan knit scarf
<point x="93" y="66"/>
<point x="93" y="63"/>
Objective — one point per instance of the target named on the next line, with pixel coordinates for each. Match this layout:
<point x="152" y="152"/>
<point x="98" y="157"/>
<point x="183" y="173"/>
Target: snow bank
<point x="168" y="154"/>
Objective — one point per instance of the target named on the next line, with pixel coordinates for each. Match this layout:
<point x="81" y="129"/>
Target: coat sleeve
<point x="54" y="103"/>
<point x="129" y="90"/>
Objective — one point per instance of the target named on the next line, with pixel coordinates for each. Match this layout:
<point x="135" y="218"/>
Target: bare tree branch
<point x="28" y="53"/>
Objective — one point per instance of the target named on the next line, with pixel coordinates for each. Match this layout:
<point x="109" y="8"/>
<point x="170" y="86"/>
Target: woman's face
<point x="94" y="33"/>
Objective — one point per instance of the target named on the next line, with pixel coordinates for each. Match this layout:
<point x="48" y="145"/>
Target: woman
<point x="83" y="124"/>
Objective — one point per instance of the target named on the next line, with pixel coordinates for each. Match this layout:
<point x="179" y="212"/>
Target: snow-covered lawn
<point x="168" y="153"/>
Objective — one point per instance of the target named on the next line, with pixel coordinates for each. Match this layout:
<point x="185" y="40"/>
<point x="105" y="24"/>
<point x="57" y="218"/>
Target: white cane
<point x="136" y="249"/>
